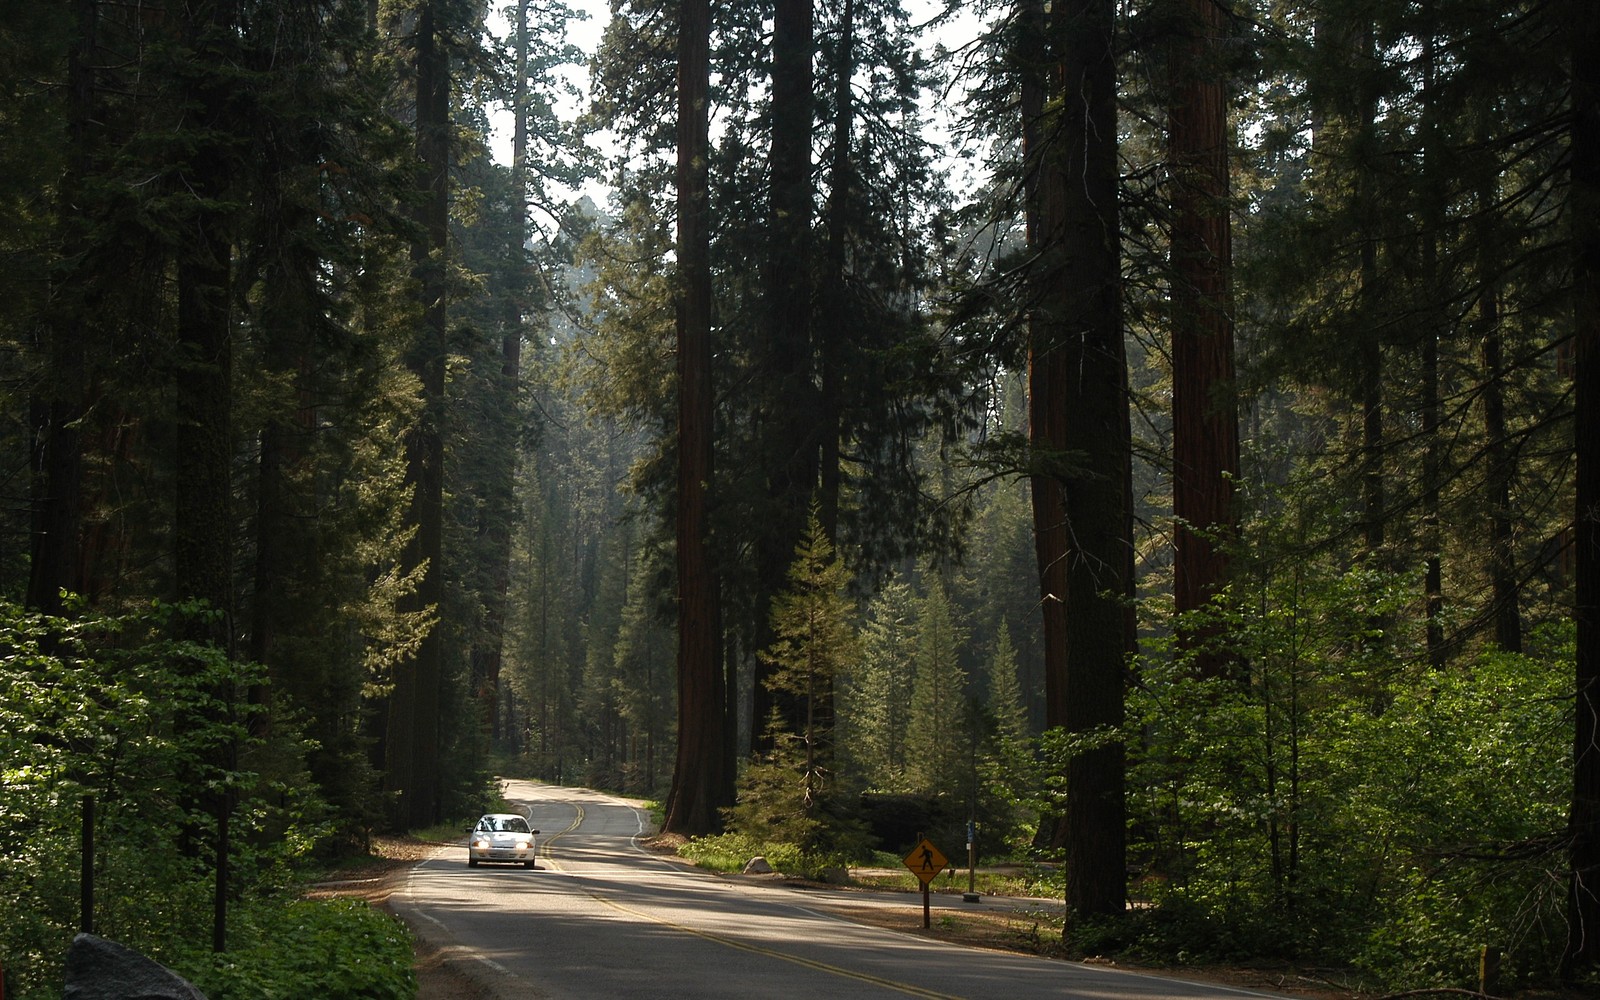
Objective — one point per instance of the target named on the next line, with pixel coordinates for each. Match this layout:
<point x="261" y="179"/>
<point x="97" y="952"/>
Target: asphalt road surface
<point x="599" y="917"/>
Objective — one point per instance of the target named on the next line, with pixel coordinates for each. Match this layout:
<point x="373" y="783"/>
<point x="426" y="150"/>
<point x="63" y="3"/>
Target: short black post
<point x="86" y="871"/>
<point x="219" y="909"/>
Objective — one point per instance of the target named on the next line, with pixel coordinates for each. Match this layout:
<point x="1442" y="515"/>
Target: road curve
<point x="600" y="917"/>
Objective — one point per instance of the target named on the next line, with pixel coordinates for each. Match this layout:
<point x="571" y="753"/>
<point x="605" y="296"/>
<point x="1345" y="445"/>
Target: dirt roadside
<point x="441" y="977"/>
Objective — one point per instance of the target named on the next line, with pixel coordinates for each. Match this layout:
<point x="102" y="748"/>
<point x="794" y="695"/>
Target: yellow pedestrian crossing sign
<point x="925" y="861"/>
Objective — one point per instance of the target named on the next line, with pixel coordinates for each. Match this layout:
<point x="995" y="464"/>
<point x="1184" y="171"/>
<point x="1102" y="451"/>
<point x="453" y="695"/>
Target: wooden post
<point x="1488" y="970"/>
<point x="86" y="870"/>
<point x="219" y="903"/>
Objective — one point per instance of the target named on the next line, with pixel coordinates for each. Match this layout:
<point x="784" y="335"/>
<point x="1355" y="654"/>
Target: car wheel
<point x="472" y="862"/>
<point x="527" y="864"/>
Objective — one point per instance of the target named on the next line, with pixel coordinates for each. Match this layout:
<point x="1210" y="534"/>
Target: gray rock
<point x="98" y="969"/>
<point x="757" y="866"/>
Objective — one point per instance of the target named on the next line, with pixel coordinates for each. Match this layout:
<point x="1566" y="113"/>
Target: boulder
<point x="98" y="969"/>
<point x="757" y="866"/>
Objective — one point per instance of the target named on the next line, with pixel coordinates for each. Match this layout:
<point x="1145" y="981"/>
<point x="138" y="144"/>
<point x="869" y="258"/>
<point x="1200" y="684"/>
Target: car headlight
<point x="480" y="843"/>
<point x="524" y="844"/>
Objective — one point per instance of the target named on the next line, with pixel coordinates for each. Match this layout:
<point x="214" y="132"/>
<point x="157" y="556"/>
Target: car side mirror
<point x="535" y="831"/>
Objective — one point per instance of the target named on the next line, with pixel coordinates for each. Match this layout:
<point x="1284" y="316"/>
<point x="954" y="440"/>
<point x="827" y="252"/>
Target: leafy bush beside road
<point x="154" y="730"/>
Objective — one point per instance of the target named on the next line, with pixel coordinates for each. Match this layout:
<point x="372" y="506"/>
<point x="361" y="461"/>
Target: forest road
<point x="601" y="917"/>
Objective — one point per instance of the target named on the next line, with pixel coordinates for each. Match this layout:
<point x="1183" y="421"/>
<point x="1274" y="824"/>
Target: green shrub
<point x="729" y="852"/>
<point x="1339" y="801"/>
<point x="152" y="728"/>
<point x="329" y="949"/>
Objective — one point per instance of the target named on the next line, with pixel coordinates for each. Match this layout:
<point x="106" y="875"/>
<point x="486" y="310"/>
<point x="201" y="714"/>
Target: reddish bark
<point x="1078" y="411"/>
<point x="1205" y="426"/>
<point x="702" y="781"/>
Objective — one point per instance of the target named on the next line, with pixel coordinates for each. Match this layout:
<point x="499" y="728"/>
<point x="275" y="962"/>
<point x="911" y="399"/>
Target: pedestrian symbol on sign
<point x="925" y="861"/>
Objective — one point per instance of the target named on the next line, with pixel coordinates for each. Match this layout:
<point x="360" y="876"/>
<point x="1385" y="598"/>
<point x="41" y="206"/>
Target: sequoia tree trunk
<point x="702" y="777"/>
<point x="1081" y="440"/>
<point x="1205" y="422"/>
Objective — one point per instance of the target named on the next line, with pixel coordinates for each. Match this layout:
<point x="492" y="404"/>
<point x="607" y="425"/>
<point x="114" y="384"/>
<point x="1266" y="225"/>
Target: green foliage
<point x="939" y="731"/>
<point x="875" y="698"/>
<point x="154" y="730"/>
<point x="333" y="949"/>
<point x="788" y="805"/>
<point x="643" y="683"/>
<point x="1343" y="803"/>
<point x="778" y="795"/>
<point x="793" y="793"/>
<point x="729" y="852"/>
<point x="1401" y="192"/>
<point x="1179" y="931"/>
<point x="1009" y="782"/>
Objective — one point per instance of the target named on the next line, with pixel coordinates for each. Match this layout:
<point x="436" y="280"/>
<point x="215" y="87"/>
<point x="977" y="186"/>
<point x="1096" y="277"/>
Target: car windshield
<point x="504" y="824"/>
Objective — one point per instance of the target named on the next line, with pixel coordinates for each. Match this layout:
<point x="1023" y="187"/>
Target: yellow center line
<point x="756" y="949"/>
<point x="576" y="820"/>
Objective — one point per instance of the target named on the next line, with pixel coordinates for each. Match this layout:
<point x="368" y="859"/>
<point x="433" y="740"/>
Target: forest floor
<point x="1011" y="924"/>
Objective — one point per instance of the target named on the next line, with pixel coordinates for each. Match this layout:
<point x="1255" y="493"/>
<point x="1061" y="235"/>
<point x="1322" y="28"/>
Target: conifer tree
<point x="1008" y="784"/>
<point x="1005" y="692"/>
<point x="938" y="731"/>
<point x="784" y="354"/>
<point x="55" y="445"/>
<point x="645" y="672"/>
<point x="877" y="703"/>
<point x="794" y="791"/>
<point x="814" y="644"/>
<point x="412" y="736"/>
<point x="864" y="334"/>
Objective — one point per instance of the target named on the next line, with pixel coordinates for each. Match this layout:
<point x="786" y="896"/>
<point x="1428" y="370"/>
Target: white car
<point x="501" y="837"/>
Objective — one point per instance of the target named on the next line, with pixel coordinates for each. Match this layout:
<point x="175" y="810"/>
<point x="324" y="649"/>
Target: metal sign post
<point x="925" y="862"/>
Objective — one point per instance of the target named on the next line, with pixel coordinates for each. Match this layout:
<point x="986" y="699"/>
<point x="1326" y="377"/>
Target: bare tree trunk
<point x="1502" y="457"/>
<point x="499" y="508"/>
<point x="1582" y="24"/>
<point x="1432" y="325"/>
<point x="203" y="378"/>
<point x="414" y="725"/>
<point x="1205" y="422"/>
<point x="789" y="434"/>
<point x="1374" y="500"/>
<point x="286" y="511"/>
<point x="841" y="179"/>
<point x="202" y="442"/>
<point x="702" y="778"/>
<point x="1045" y="434"/>
<point x="1079" y="406"/>
<point x="58" y="452"/>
